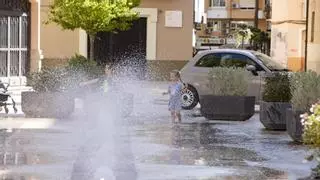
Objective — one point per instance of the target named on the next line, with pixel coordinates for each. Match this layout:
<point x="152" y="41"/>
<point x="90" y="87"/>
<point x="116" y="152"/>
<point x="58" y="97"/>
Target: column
<point x="35" y="52"/>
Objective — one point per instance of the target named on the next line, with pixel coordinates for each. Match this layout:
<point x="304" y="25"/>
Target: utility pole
<point x="307" y="34"/>
<point x="256" y="14"/>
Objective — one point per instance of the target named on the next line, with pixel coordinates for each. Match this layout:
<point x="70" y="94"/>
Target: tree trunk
<point x="91" y="38"/>
<point x="242" y="42"/>
<point x="256" y="16"/>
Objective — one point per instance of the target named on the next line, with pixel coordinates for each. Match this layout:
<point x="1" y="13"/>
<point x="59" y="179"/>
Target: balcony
<point x="224" y="13"/>
<point x="217" y="13"/>
<point x="246" y="14"/>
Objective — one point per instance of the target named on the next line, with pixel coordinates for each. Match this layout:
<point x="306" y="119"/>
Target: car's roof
<point x="242" y="51"/>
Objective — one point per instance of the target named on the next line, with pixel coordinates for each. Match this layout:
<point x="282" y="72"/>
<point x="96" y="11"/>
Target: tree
<point x="93" y="16"/>
<point x="242" y="34"/>
<point x="259" y="40"/>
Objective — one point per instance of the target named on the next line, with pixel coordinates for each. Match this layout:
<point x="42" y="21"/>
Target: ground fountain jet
<point x="106" y="152"/>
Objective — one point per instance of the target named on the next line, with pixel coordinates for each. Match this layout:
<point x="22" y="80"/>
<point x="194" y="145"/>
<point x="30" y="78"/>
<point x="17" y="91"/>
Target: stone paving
<point x="148" y="145"/>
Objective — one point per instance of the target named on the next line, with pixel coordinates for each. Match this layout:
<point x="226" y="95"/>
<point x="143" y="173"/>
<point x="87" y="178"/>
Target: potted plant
<point x="228" y="100"/>
<point x="305" y="89"/>
<point x="276" y="98"/>
<point x="311" y="136"/>
<point x="49" y="97"/>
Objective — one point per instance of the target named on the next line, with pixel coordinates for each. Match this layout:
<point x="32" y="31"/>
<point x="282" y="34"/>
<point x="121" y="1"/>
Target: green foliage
<point x="311" y="133"/>
<point x="84" y="69"/>
<point x="305" y="89"/>
<point x="93" y="16"/>
<point x="242" y="34"/>
<point x="79" y="69"/>
<point x="258" y="38"/>
<point x="226" y="81"/>
<point x="277" y="88"/>
<point x="50" y="80"/>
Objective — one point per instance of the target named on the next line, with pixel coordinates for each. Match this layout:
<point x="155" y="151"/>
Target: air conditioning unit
<point x="235" y="5"/>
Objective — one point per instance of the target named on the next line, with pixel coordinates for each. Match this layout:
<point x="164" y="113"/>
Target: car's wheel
<point x="190" y="98"/>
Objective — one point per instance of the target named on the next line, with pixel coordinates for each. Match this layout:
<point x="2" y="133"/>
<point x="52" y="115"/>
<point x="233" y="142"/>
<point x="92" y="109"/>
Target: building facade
<point x="288" y="33"/>
<point x="313" y="55"/>
<point x="223" y="17"/>
<point x="164" y="30"/>
<point x="19" y="40"/>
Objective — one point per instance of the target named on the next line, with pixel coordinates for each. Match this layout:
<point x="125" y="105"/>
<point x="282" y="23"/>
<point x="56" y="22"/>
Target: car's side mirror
<point x="252" y="69"/>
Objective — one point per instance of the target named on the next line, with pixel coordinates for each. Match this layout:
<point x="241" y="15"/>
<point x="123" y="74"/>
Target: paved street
<point x="146" y="146"/>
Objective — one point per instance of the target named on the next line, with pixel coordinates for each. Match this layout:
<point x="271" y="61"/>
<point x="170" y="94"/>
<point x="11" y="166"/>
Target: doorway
<point x="127" y="49"/>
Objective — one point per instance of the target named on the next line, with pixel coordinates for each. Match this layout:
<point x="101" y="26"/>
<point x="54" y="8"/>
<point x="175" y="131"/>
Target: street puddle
<point x="16" y="149"/>
<point x="206" y="146"/>
<point x="209" y="156"/>
<point x="18" y="176"/>
<point x="12" y="158"/>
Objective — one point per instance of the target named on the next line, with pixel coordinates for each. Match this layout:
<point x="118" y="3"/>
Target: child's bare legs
<point x="173" y="116"/>
<point x="178" y="115"/>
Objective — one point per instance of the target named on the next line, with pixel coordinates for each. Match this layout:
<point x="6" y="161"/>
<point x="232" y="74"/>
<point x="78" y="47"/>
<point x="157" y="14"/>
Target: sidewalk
<point x="26" y="123"/>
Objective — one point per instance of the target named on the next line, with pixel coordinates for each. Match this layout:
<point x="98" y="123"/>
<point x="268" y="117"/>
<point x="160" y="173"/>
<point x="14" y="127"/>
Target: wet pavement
<point x="146" y="146"/>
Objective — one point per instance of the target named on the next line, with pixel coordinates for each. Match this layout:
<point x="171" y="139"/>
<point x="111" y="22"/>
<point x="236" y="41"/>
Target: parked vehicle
<point x="195" y="73"/>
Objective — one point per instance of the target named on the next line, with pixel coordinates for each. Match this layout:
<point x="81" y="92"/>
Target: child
<point x="103" y="81"/>
<point x="98" y="89"/>
<point x="174" y="90"/>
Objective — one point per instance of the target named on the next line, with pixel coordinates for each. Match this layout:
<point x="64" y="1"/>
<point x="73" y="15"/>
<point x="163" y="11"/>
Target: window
<point x="235" y="60"/>
<point x="217" y="3"/>
<point x="226" y="60"/>
<point x="209" y="60"/>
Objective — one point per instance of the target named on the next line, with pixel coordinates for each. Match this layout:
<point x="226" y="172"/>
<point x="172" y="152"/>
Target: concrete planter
<point x="232" y="108"/>
<point x="47" y="104"/>
<point x="273" y="115"/>
<point x="294" y="126"/>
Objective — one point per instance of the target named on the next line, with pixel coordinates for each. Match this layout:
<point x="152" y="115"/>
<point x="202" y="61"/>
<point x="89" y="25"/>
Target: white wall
<point x="199" y="10"/>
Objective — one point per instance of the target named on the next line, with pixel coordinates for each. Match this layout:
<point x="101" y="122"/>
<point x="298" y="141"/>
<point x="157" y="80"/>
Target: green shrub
<point x="83" y="68"/>
<point x="78" y="69"/>
<point x="311" y="135"/>
<point x="311" y="123"/>
<point x="305" y="89"/>
<point x="50" y="80"/>
<point x="226" y="81"/>
<point x="277" y="88"/>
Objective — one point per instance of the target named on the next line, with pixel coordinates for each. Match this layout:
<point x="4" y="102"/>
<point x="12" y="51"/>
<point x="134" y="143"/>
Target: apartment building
<point x="224" y="16"/>
<point x="288" y="35"/>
